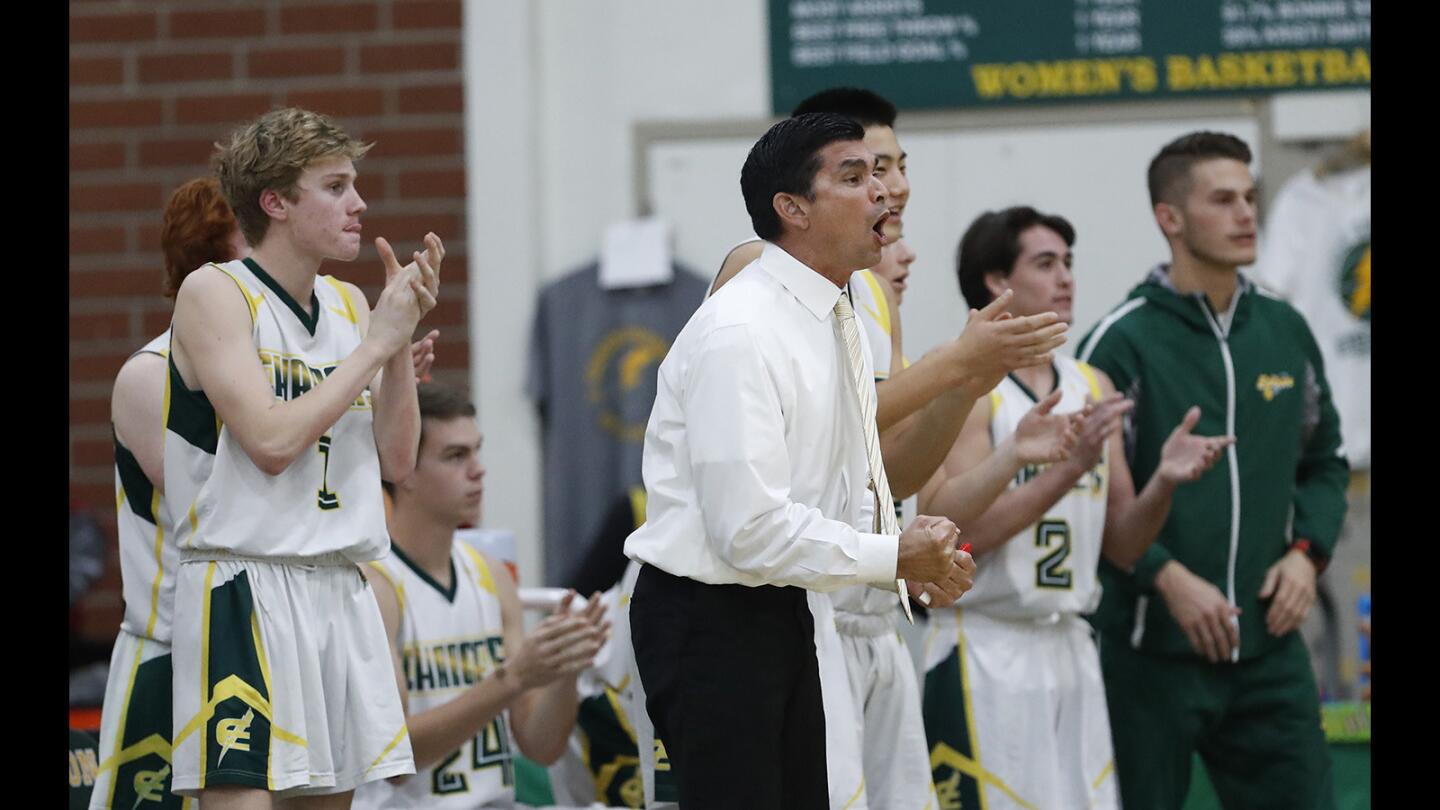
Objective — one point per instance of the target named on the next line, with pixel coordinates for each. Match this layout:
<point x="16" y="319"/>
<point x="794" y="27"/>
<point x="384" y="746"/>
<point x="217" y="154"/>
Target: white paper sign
<point x="636" y="253"/>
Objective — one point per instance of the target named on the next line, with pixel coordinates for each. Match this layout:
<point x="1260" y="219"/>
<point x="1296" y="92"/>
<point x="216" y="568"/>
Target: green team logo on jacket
<point x="1271" y="384"/>
<point x="1355" y="280"/>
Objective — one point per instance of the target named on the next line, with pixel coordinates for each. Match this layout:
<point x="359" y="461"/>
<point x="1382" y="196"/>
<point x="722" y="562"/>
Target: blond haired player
<point x="288" y="400"/>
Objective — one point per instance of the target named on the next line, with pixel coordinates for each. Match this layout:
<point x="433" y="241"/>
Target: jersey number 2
<point x="1049" y="572"/>
<point x="327" y="499"/>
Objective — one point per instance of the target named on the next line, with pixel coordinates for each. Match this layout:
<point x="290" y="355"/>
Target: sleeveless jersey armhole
<point x="251" y="301"/>
<point x="483" y="571"/>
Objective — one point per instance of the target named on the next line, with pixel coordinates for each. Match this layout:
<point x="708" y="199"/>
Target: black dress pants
<point x="732" y="685"/>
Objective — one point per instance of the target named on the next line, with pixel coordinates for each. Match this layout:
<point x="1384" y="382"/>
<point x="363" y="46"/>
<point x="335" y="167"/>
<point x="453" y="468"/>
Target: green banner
<point x="988" y="53"/>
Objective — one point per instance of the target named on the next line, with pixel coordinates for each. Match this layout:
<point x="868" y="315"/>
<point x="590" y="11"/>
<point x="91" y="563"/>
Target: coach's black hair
<point x="785" y="160"/>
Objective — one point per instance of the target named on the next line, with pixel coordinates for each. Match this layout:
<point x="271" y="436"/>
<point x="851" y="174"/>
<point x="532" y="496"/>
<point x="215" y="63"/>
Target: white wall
<point x="553" y="91"/>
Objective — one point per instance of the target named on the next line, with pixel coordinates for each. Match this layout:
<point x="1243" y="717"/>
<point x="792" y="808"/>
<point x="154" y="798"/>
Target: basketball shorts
<point x="283" y="678"/>
<point x="135" y="727"/>
<point x="1015" y="709"/>
<point x="886" y="696"/>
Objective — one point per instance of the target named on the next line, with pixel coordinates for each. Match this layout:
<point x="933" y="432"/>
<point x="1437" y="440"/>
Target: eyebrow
<point x="850" y="163"/>
<point x="1041" y="255"/>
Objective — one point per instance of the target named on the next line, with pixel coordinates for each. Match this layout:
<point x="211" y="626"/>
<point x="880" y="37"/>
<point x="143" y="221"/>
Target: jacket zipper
<point x="1222" y="338"/>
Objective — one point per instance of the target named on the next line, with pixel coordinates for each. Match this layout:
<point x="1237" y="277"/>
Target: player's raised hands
<point x="1185" y="457"/>
<point x="564" y="644"/>
<point x="396" y="311"/>
<point x="422" y="355"/>
<point x="1098" y="420"/>
<point x="995" y="343"/>
<point x="1042" y="437"/>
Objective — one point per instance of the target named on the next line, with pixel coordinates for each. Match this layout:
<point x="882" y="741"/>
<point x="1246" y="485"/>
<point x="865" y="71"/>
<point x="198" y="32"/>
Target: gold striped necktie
<point x="879" y="485"/>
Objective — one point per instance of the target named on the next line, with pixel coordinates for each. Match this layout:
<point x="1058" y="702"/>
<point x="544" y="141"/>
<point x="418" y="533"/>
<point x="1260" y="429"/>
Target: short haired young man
<point x="1040" y="523"/>
<point x="1215" y="664"/>
<point x="468" y="673"/>
<point x="288" y="400"/>
<point x="763" y="482"/>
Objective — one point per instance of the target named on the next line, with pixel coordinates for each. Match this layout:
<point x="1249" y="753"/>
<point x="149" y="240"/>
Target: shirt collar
<point x="1160" y="274"/>
<point x="814" y="292"/>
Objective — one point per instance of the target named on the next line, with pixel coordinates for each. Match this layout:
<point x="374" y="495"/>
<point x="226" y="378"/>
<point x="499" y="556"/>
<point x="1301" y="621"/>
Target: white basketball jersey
<point x="1049" y="567"/>
<point x="449" y="642"/>
<point x="148" y="555"/>
<point x="329" y="499"/>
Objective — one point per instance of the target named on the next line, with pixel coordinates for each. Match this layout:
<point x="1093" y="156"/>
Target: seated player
<point x="469" y="675"/>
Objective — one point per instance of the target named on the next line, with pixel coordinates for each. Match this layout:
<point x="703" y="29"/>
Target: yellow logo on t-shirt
<point x="622" y="361"/>
<point x="1271" y="384"/>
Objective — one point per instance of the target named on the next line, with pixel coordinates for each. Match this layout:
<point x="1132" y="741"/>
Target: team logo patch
<point x="1271" y="384"/>
<point x="150" y="785"/>
<point x="620" y="364"/>
<point x="233" y="734"/>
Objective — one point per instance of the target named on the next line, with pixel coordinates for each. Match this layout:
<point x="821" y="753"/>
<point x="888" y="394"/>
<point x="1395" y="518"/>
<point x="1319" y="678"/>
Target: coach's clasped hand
<point x="931" y="563"/>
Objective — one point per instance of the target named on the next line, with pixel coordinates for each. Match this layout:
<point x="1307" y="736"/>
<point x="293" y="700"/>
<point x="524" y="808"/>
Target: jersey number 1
<point x="327" y="499"/>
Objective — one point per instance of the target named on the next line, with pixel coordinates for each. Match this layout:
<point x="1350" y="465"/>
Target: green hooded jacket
<point x="1260" y="380"/>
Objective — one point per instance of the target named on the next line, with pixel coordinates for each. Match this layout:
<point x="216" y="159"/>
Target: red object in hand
<point x="965" y="547"/>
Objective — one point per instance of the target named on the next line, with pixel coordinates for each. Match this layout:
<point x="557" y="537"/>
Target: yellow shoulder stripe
<point x="994" y="403"/>
<point x="394" y="583"/>
<point x="253" y="301"/>
<point x="344" y="296"/>
<point x="882" y="316"/>
<point x="486" y="581"/>
<point x="1090" y="376"/>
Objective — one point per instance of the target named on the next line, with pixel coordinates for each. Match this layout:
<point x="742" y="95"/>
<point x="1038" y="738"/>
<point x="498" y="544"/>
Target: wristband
<point x="1316" y="557"/>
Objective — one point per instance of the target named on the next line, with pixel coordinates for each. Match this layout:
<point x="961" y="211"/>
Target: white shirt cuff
<point x="878" y="554"/>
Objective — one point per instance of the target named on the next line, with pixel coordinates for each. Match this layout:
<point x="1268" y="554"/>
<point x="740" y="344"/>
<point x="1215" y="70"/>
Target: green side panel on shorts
<point x="83" y="753"/>
<point x="191" y="416"/>
<point x="144" y="780"/>
<point x="614" y="758"/>
<point x="237" y="748"/>
<point x="947" y="730"/>
<point x="139" y="492"/>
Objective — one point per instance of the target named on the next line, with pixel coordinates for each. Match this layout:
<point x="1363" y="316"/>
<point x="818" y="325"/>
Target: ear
<point x="792" y="209"/>
<point x="1170" y="219"/>
<point x="273" y="204"/>
<point x="996" y="282"/>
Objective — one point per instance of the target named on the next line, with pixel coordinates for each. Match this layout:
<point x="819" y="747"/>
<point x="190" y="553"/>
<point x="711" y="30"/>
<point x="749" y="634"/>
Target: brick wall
<point x="153" y="83"/>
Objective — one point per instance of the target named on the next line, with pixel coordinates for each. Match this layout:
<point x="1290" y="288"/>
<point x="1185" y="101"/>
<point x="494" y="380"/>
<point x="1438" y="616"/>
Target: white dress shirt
<point x="754" y="462"/>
